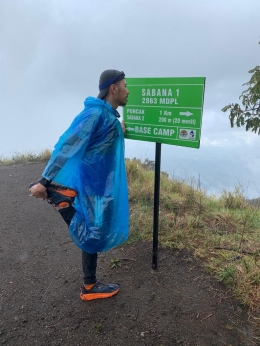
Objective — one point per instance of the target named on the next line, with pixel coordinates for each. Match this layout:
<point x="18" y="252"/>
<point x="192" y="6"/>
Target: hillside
<point x="178" y="304"/>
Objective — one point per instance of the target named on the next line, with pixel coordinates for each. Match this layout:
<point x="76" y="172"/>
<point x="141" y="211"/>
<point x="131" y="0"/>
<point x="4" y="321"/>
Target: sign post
<point x="164" y="110"/>
<point x="156" y="203"/>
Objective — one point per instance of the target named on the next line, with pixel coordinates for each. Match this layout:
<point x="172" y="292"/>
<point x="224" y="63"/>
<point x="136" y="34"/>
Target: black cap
<point x="107" y="78"/>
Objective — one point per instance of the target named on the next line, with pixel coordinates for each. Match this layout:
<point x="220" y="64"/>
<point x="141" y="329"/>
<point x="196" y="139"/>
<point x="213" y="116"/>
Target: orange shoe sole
<point x="92" y="296"/>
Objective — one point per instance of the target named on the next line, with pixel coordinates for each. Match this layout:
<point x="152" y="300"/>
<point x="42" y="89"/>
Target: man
<point x="89" y="159"/>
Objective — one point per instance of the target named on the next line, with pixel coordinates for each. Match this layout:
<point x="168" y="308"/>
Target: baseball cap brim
<point x="103" y="93"/>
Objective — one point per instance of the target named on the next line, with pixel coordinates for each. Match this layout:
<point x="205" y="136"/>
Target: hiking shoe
<point x="99" y="290"/>
<point x="59" y="196"/>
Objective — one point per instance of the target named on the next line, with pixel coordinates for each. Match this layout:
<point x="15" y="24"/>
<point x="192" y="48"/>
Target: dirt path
<point x="41" y="274"/>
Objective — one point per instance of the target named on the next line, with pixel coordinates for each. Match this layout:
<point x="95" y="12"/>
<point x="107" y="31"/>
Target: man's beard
<point x="123" y="103"/>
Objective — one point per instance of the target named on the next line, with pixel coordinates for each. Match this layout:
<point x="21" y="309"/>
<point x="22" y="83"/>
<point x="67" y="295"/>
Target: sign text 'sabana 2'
<point x="165" y="110"/>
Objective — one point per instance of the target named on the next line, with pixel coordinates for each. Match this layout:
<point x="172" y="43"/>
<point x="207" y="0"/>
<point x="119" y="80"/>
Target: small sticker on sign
<point x="187" y="134"/>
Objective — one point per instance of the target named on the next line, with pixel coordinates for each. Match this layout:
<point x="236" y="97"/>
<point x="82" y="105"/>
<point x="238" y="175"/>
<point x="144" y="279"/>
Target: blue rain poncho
<point x="89" y="157"/>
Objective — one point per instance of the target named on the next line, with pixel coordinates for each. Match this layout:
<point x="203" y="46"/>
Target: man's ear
<point x="113" y="89"/>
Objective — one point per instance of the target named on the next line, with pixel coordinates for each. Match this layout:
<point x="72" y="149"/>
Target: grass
<point x="26" y="158"/>
<point x="222" y="232"/>
<point x="115" y="263"/>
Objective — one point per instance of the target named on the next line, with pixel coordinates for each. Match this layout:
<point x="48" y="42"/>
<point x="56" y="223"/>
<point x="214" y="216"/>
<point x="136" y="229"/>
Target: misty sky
<point x="53" y="51"/>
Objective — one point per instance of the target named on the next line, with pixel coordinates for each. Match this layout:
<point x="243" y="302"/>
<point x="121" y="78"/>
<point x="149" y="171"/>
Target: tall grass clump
<point x="26" y="158"/>
<point x="223" y="232"/>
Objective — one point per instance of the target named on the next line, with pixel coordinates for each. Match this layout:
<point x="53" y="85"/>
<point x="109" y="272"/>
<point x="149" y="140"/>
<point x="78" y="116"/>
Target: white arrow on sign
<point x="186" y="113"/>
<point x="130" y="129"/>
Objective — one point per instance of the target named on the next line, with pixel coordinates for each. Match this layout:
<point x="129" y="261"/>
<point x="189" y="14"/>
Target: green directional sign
<point x="165" y="110"/>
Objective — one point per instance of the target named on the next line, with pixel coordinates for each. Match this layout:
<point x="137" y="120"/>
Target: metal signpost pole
<point x="156" y="202"/>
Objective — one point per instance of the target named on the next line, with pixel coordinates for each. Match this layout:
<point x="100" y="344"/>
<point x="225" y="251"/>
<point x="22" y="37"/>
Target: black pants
<point x="89" y="261"/>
